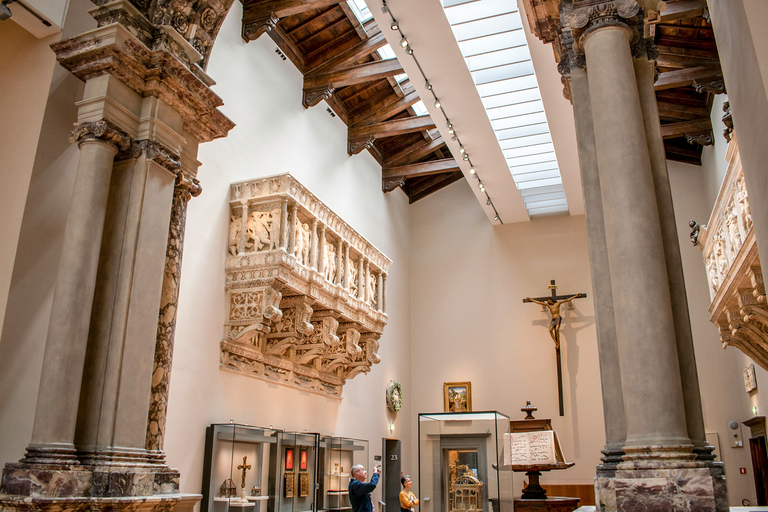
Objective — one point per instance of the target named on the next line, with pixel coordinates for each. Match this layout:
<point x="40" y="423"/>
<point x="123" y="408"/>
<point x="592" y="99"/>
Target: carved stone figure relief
<point x="302" y="288"/>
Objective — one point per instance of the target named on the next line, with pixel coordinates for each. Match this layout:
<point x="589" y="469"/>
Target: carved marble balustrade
<point x="305" y="292"/>
<point x="733" y="267"/>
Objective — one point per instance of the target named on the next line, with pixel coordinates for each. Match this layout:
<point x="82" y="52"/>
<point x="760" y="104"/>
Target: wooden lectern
<point x="534" y="497"/>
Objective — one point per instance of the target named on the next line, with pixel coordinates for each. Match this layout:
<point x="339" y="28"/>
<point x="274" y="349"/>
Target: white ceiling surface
<point x="435" y="47"/>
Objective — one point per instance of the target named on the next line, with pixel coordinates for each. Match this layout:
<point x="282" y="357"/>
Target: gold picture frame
<point x="457" y="396"/>
<point x="290" y="484"/>
<point x="303" y="485"/>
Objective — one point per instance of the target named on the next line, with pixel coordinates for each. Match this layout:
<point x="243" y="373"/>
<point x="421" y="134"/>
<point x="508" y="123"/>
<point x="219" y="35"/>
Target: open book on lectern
<point x="541" y="447"/>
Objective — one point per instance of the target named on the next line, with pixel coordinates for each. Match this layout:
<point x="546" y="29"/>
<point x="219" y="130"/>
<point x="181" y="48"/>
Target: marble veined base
<point x="657" y="485"/>
<point x="158" y="503"/>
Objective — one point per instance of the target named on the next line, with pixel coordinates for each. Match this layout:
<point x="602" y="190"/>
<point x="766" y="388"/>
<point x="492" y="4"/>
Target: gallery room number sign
<point x="394" y="396"/>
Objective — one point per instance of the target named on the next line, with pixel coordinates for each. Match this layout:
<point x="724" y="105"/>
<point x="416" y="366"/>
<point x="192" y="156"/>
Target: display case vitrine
<point x="295" y="481"/>
<point x="237" y="468"/>
<point x="336" y="457"/>
<point x="461" y="463"/>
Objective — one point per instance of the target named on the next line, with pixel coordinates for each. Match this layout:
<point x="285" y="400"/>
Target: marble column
<point x="186" y="188"/>
<point x="653" y="398"/>
<point x="316" y="250"/>
<point x="605" y="322"/>
<point x="293" y="230"/>
<point x="380" y="292"/>
<point x="56" y="413"/>
<point x="339" y="258"/>
<point x="361" y="279"/>
<point x="644" y="73"/>
<point x="321" y="258"/>
<point x="347" y="284"/>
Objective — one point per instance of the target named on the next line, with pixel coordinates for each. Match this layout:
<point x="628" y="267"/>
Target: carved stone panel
<point x="305" y="292"/>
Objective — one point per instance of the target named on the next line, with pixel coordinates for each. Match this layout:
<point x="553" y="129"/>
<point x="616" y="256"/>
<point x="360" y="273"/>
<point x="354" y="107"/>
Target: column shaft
<point x="685" y="352"/>
<point x="605" y="323"/>
<point x="57" y="400"/>
<point x="653" y="400"/>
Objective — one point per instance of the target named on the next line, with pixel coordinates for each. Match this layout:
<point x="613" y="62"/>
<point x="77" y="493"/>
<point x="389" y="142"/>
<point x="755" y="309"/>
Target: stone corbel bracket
<point x="305" y="291"/>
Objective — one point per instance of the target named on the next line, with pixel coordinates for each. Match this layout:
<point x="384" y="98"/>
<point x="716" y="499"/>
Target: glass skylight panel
<point x="491" y="38"/>
<point x="361" y="10"/>
<point x="386" y="52"/>
<point x="498" y="58"/>
<point x="420" y="109"/>
<point x="401" y="77"/>
<point x="474" y="10"/>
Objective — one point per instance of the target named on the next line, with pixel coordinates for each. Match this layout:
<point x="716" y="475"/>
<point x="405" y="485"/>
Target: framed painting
<point x="303" y="485"/>
<point x="303" y="460"/>
<point x="288" y="459"/>
<point x="457" y="396"/>
<point x="290" y="484"/>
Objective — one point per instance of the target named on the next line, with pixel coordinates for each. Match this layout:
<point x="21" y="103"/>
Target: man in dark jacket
<point x="359" y="491"/>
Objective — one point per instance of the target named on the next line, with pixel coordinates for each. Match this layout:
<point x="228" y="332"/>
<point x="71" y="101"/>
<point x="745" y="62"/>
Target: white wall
<point x="275" y="134"/>
<point x="468" y="321"/>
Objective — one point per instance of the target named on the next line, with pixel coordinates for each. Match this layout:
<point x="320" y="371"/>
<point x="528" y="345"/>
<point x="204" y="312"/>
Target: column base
<point x="649" y="478"/>
<point x="109" y="473"/>
<point x="156" y="503"/>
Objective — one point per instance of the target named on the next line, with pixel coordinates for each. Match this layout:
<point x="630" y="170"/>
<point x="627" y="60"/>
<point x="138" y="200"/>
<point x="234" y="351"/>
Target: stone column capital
<point x="156" y="152"/>
<point x="101" y="131"/>
<point x="188" y="186"/>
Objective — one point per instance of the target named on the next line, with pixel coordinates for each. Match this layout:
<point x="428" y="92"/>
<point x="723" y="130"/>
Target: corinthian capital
<point x="100" y="130"/>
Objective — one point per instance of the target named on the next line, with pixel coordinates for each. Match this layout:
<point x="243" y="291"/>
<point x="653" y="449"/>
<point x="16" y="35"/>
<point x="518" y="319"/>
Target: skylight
<point x="420" y="109"/>
<point x="361" y="10"/>
<point x="491" y="38"/>
<point x="385" y="52"/>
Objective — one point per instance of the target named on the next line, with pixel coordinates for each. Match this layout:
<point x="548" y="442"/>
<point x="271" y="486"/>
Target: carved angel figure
<point x="745" y="214"/>
<point x="259" y="235"/>
<point x="235" y="228"/>
<point x="301" y="248"/>
<point x="352" y="279"/>
<point x="734" y="236"/>
<point x="371" y="291"/>
<point x="329" y="262"/>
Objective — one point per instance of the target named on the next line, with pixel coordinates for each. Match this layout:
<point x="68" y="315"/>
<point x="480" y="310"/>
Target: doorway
<point x="390" y="471"/>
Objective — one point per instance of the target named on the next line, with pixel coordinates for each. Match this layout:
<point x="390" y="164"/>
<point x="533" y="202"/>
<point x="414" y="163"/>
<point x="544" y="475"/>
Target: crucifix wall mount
<point x="552" y="304"/>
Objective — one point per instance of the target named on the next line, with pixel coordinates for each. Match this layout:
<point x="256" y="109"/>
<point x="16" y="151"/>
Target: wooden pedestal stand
<point x="534" y="497"/>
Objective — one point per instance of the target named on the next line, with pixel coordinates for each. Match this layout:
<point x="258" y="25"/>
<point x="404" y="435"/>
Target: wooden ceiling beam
<point x="324" y="17"/>
<point x="672" y="130"/>
<point x="682" y="10"/>
<point x="378" y="113"/>
<point x="420" y="169"/>
<point x="682" y="112"/>
<point x="414" y="152"/>
<point x="391" y="128"/>
<point x="359" y="74"/>
<point x="307" y="42"/>
<point x="431" y="185"/>
<point x="684" y="77"/>
<point x="260" y="16"/>
<point x="356" y="52"/>
<point x="286" y="45"/>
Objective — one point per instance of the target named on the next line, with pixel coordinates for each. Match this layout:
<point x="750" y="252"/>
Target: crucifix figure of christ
<point x="553" y="303"/>
<point x="245" y="467"/>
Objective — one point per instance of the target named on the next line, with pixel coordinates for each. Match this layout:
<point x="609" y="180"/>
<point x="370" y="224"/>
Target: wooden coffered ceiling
<point x="689" y="76"/>
<point x="337" y="56"/>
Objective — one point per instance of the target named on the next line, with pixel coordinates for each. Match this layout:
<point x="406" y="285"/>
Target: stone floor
<point x="591" y="508"/>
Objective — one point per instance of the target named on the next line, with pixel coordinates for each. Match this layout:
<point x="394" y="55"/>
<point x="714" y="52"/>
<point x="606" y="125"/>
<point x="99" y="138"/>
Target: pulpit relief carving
<point x="295" y="273"/>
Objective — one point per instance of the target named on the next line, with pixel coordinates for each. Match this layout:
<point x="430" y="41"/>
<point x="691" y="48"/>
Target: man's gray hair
<point x="355" y="469"/>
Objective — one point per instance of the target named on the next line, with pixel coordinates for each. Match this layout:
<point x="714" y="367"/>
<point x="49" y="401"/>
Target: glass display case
<point x="336" y="457"/>
<point x="460" y="463"/>
<point x="237" y="466"/>
<point x="295" y="482"/>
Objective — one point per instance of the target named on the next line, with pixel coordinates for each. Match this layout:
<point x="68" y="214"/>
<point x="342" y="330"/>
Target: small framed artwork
<point x="750" y="381"/>
<point x="303" y="460"/>
<point x="457" y="396"/>
<point x="290" y="484"/>
<point x="289" y="459"/>
<point x="303" y="485"/>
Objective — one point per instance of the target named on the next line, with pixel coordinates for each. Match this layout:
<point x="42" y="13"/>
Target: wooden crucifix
<point x="553" y="303"/>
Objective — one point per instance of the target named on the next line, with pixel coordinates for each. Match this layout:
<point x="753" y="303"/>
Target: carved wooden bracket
<point x="356" y="146"/>
<point x="305" y="292"/>
<point x="311" y="97"/>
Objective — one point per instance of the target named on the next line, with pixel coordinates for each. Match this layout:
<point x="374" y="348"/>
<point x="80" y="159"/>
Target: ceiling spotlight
<point x="481" y="186"/>
<point x="409" y="51"/>
<point x="451" y="131"/>
<point x="403" y="42"/>
<point x="394" y="25"/>
<point x="466" y="156"/>
<point x="488" y="202"/>
<point x="428" y="85"/>
<point x="437" y="103"/>
<point x="496" y="218"/>
<point x="462" y="150"/>
<point x="454" y="137"/>
<point x="471" y="170"/>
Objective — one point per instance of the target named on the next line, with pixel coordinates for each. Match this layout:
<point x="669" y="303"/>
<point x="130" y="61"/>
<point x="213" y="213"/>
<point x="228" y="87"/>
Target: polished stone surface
<point x="167" y="503"/>
<point x="551" y="504"/>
